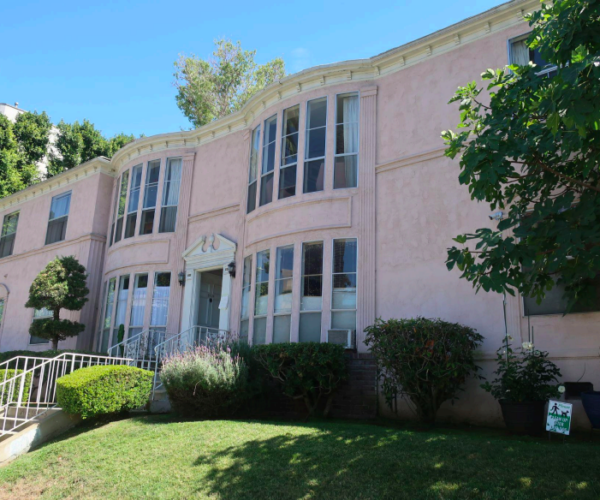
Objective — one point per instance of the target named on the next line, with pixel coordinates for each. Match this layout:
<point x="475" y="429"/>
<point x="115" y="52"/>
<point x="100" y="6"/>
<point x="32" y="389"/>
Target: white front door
<point x="211" y="283"/>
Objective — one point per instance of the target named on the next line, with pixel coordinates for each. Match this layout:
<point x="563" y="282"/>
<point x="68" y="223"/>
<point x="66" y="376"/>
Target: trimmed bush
<point x="101" y="390"/>
<point x="8" y="374"/>
<point x="424" y="360"/>
<point x="307" y="371"/>
<point x="207" y="382"/>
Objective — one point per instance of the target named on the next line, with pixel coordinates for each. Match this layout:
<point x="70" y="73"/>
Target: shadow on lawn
<point x="387" y="463"/>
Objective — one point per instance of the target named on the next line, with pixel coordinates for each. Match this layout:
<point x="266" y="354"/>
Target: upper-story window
<point x="346" y="142"/>
<point x="521" y="54"/>
<point x="314" y="155"/>
<point x="9" y="231"/>
<point x="268" y="161"/>
<point x="289" y="152"/>
<point x="121" y="206"/>
<point x="150" y="194"/>
<point x="252" y="175"/>
<point x="59" y="214"/>
<point x="168" y="212"/>
<point x="134" y="200"/>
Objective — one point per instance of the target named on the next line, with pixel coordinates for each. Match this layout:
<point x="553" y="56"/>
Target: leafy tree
<point x="10" y="160"/>
<point x="207" y="90"/>
<point x="31" y="131"/>
<point x="532" y="150"/>
<point x="61" y="285"/>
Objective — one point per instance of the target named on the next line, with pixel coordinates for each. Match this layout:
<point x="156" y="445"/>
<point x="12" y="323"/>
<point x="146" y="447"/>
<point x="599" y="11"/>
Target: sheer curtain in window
<point x="519" y="53"/>
<point x="168" y="216"/>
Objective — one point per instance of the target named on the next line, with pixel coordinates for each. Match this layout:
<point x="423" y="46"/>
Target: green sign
<point x="559" y="417"/>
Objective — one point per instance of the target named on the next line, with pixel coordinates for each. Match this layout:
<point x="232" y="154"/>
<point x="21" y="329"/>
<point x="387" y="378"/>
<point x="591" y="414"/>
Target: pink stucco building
<point x="324" y="203"/>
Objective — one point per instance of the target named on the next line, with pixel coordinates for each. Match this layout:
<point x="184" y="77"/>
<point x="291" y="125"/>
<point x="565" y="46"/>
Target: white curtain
<point x="160" y="305"/>
<point x="173" y="181"/>
<point x="520" y="53"/>
<point x="351" y="124"/>
<point x="121" y="308"/>
<point x="138" y="306"/>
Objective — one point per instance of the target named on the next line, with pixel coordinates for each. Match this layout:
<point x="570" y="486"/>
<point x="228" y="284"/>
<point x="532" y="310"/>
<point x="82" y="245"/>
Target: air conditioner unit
<point x="346" y="338"/>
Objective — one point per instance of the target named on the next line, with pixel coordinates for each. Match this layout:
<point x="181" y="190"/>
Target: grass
<point x="159" y="457"/>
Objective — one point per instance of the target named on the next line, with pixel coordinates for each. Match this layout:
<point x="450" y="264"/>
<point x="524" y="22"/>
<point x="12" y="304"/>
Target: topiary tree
<point x="424" y="360"/>
<point x="61" y="285"/>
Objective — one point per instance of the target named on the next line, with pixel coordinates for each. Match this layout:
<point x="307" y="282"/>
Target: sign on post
<point x="559" y="417"/>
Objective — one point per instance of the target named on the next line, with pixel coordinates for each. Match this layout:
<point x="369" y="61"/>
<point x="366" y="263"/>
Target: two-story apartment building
<point x="326" y="202"/>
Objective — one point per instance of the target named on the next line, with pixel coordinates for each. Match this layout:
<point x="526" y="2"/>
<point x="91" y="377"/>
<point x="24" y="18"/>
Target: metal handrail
<point x="22" y="402"/>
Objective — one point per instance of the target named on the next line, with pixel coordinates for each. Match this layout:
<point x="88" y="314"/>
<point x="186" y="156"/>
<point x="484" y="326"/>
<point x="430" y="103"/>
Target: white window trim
<point x="306" y="137"/>
<point x="281" y="164"/>
<point x="332" y="310"/>
<point x="357" y="154"/>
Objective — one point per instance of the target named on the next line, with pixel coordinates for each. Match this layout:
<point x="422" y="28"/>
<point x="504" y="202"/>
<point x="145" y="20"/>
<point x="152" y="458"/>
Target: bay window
<point x="150" y="195"/>
<point x="268" y="161"/>
<point x="246" y="282"/>
<point x="59" y="215"/>
<point x="253" y="172"/>
<point x="314" y="154"/>
<point x="311" y="302"/>
<point x="283" y="294"/>
<point x="289" y="152"/>
<point x="134" y="200"/>
<point x="343" y="300"/>
<point x="261" y="297"/>
<point x="121" y="206"/>
<point x="9" y="231"/>
<point x="346" y="142"/>
<point x="138" y="304"/>
<point x="171" y="188"/>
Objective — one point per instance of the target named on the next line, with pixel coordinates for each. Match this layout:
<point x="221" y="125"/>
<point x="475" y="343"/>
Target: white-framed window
<point x="289" y="152"/>
<point x="519" y="53"/>
<point x="253" y="170"/>
<point x="121" y="309"/>
<point x="138" y="304"/>
<point x="114" y="213"/>
<point x="59" y="215"/>
<point x="160" y="308"/>
<point x="284" y="281"/>
<point x="268" y="161"/>
<point x="9" y="231"/>
<point x="170" y="201"/>
<point x="39" y="314"/>
<point x="134" y="200"/>
<point x="554" y="302"/>
<point x="344" y="275"/>
<point x="311" y="301"/>
<point x="246" y="284"/>
<point x="345" y="169"/>
<point x="314" y="153"/>
<point x="121" y="206"/>
<point x="261" y="298"/>
<point x="150" y="196"/>
<point x="108" y="310"/>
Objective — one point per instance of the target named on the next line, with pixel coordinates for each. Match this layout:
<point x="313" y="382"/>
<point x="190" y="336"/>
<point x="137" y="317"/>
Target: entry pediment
<point x="210" y="250"/>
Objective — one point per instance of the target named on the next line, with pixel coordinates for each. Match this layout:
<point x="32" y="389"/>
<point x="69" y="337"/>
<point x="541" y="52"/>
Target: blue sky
<point x="112" y="61"/>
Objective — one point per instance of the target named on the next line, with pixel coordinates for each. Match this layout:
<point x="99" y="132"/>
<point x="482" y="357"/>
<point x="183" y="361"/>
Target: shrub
<point x="207" y="382"/>
<point x="424" y="360"/>
<point x="307" y="371"/>
<point x="5" y="388"/>
<point x="528" y="376"/>
<point x="100" y="390"/>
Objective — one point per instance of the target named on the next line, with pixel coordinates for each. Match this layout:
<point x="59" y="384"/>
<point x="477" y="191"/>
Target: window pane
<point x="247" y="277"/>
<point x="251" y="197"/>
<point x="284" y="279"/>
<point x="281" y="329"/>
<point x="269" y="145"/>
<point x="255" y="144"/>
<point x="130" y="225"/>
<point x="172" y="182"/>
<point x="346" y="138"/>
<point x="151" y="188"/>
<point x="10" y="224"/>
<point x="262" y="283"/>
<point x="519" y="53"/>
<point x="315" y="143"/>
<point x="289" y="143"/>
<point x="287" y="182"/>
<point x="147" y="222"/>
<point x="317" y="113"/>
<point x="266" y="189"/>
<point x="244" y="329"/>
<point x="260" y="331"/>
<point x="344" y="256"/>
<point x="262" y="266"/>
<point x="57" y="230"/>
<point x="123" y="193"/>
<point x="285" y="262"/>
<point x="121" y="308"/>
<point x="160" y="299"/>
<point x="150" y="196"/>
<point x="168" y="219"/>
<point x="343" y="320"/>
<point x="314" y="172"/>
<point x="291" y="120"/>
<point x="118" y="229"/>
<point x="312" y="258"/>
<point x="7" y="244"/>
<point x="310" y="327"/>
<point x="345" y="173"/>
<point x="60" y="206"/>
<point x="138" y="303"/>
<point x="261" y="299"/>
<point x="347" y="108"/>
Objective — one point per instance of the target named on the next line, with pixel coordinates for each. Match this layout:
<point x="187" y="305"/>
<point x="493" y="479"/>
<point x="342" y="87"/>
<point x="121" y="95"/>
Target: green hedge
<point x="4" y="388"/>
<point x="307" y="371"/>
<point x="100" y="390"/>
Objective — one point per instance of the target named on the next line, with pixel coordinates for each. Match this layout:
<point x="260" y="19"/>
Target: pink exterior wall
<point x="404" y="213"/>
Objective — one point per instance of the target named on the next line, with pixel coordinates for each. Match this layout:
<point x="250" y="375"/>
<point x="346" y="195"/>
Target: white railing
<point x="139" y="348"/>
<point x="181" y="342"/>
<point x="31" y="392"/>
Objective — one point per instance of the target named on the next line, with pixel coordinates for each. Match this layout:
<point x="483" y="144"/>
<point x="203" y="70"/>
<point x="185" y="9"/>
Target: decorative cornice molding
<point x="408" y="160"/>
<point x="440" y="42"/>
<point x="83" y="171"/>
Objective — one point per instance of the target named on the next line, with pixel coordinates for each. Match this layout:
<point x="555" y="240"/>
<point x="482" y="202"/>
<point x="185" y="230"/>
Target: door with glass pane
<point x="211" y="283"/>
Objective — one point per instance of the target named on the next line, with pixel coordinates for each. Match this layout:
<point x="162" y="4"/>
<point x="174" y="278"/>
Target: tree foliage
<point x="532" y="149"/>
<point x="61" y="285"/>
<point x="207" y="90"/>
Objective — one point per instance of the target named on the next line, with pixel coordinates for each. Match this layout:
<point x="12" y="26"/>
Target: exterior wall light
<point x="231" y="269"/>
<point x="181" y="278"/>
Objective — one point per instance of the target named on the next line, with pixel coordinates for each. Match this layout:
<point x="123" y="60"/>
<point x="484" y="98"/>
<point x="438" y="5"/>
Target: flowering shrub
<point x="424" y="360"/>
<point x="526" y="376"/>
<point x="207" y="382"/>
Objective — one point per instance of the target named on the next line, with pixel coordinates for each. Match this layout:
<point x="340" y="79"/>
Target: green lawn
<point x="158" y="457"/>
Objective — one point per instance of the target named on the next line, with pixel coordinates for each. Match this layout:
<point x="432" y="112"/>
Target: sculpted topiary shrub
<point x="102" y="390"/>
<point x="207" y="382"/>
<point x="424" y="360"/>
<point x="307" y="370"/>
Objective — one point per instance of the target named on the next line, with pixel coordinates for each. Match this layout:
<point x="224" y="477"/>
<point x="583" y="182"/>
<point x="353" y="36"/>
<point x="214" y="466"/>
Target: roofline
<point x="13" y="107"/>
